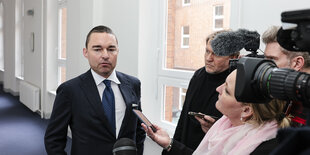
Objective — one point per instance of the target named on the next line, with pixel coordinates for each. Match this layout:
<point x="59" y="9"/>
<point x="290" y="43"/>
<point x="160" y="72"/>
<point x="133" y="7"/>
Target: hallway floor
<point x="21" y="130"/>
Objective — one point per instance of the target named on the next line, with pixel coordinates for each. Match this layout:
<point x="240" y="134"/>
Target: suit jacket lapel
<point x="128" y="96"/>
<point x="90" y="90"/>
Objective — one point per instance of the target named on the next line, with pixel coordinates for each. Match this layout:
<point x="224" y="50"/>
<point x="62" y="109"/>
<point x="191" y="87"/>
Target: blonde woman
<point x="244" y="128"/>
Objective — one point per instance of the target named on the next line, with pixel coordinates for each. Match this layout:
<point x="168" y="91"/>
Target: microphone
<point x="124" y="146"/>
<point x="230" y="42"/>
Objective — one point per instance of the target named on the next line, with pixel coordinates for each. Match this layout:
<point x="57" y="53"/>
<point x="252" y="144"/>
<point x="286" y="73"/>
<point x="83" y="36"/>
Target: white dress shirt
<point x="120" y="106"/>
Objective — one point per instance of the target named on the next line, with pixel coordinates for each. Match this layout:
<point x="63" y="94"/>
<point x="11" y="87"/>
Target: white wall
<point x="260" y="14"/>
<point x="33" y="60"/>
<point x="10" y="83"/>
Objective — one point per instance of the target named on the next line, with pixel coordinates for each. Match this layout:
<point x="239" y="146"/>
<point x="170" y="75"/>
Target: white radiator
<point x="29" y="95"/>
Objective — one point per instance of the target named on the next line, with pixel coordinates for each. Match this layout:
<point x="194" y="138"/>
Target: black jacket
<point x="188" y="133"/>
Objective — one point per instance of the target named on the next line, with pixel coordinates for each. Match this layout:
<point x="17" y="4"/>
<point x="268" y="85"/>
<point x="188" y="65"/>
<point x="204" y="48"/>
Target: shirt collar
<point x="98" y="78"/>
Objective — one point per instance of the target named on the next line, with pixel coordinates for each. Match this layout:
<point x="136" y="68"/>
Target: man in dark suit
<point x="81" y="103"/>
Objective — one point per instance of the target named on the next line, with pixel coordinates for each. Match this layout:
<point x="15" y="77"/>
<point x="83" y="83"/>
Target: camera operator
<point x="299" y="61"/>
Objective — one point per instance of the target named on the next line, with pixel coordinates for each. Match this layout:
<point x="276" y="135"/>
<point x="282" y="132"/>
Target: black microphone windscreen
<point x="227" y="43"/>
<point x="124" y="146"/>
<point x="231" y="42"/>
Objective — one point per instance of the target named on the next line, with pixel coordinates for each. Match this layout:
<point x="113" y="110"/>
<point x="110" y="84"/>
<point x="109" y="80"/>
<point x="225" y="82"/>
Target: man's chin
<point x="210" y="71"/>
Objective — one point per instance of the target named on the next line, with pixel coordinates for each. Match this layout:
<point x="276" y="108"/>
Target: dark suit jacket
<point x="79" y="106"/>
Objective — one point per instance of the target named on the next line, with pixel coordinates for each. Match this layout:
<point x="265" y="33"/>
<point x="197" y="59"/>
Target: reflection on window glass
<point x="187" y="28"/>
<point x="174" y="99"/>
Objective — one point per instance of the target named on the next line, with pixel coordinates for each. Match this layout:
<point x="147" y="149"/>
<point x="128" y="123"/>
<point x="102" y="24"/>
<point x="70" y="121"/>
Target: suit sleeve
<point x="140" y="133"/>
<point x="56" y="132"/>
<point x="178" y="148"/>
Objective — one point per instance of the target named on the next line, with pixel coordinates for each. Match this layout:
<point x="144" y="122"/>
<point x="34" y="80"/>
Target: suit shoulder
<point x="74" y="81"/>
<point x="130" y="78"/>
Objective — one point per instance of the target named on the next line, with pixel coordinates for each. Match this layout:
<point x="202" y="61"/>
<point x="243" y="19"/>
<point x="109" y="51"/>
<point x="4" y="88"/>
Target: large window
<point x="19" y="44"/>
<point x="183" y="53"/>
<point x="62" y="41"/>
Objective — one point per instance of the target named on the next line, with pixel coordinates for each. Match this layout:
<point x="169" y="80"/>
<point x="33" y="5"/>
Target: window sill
<point x="52" y="92"/>
<point x="19" y="77"/>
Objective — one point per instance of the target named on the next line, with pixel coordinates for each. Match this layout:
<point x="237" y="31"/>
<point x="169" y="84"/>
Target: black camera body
<point x="298" y="38"/>
<point x="259" y="80"/>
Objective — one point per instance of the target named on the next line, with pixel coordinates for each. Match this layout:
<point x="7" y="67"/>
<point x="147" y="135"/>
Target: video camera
<point x="259" y="80"/>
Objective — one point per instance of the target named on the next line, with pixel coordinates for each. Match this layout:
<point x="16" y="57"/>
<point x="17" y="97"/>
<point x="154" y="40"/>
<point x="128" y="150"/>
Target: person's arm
<point x="140" y="133"/>
<point x="170" y="145"/>
<point x="56" y="133"/>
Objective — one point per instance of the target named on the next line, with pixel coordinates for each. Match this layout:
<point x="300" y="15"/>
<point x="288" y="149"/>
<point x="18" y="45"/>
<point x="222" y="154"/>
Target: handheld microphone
<point x="228" y="43"/>
<point x="124" y="146"/>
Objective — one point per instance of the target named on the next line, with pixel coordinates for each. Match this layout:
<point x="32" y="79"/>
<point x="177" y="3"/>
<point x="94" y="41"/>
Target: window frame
<point x="167" y="76"/>
<point x="2" y="36"/>
<point x="61" y="62"/>
<point x="19" y="39"/>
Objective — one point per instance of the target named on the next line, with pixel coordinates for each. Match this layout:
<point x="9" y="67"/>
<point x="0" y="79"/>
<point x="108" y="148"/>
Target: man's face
<point x="101" y="52"/>
<point x="215" y="64"/>
<point x="273" y="52"/>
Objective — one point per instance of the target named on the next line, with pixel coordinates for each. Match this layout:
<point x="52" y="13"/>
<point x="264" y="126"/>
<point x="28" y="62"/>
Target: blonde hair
<point x="273" y="110"/>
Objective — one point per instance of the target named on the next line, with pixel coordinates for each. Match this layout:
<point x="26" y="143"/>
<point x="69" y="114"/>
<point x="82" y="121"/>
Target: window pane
<point x="197" y="20"/>
<point x="218" y="23"/>
<point x="185" y="42"/>
<point x="174" y="99"/>
<point x="219" y="10"/>
<point x="185" y="30"/>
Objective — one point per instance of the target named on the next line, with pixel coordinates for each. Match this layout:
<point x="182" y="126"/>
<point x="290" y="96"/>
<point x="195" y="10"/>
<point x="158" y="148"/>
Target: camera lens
<point x="282" y="83"/>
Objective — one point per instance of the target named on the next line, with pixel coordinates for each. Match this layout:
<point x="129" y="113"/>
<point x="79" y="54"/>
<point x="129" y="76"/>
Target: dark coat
<point x="79" y="106"/>
<point x="181" y="134"/>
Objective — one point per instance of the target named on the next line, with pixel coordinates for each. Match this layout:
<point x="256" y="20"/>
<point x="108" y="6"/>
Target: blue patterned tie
<point x="109" y="103"/>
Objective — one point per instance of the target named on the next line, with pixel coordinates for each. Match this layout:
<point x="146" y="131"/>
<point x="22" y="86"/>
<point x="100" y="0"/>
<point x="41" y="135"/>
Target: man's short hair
<point x="270" y="36"/>
<point x="99" y="29"/>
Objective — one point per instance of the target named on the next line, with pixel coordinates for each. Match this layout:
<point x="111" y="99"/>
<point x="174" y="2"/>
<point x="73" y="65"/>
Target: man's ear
<point x="85" y="52"/>
<point x="247" y="112"/>
<point x="297" y="63"/>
